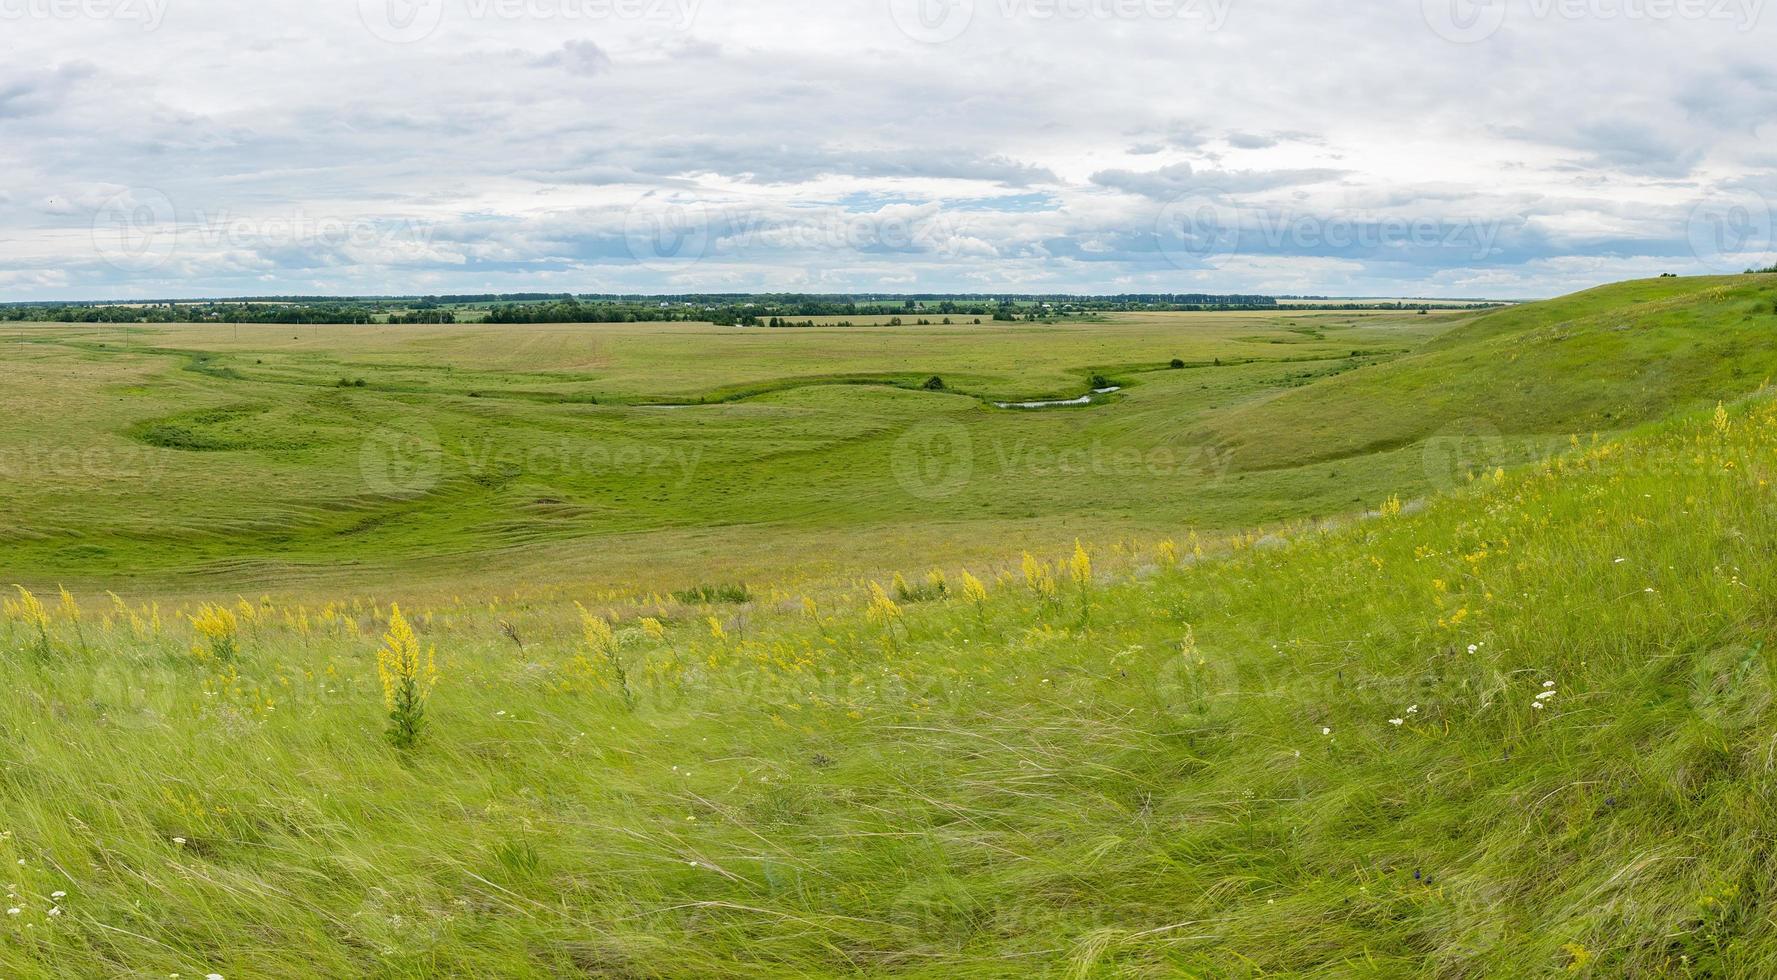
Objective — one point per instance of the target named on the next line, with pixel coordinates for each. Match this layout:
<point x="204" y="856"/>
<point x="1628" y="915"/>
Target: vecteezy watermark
<point x="299" y="228"/>
<point x="666" y="235"/>
<point x="1190" y="683"/>
<point x="147" y="13"/>
<point x="494" y="458"/>
<point x="407" y="459"/>
<point x="404" y="460"/>
<point x="1464" y="449"/>
<point x="932" y="21"/>
<point x="135" y="229"/>
<point x="1196" y="232"/>
<point x="407" y="21"/>
<point x="40" y="462"/>
<point x="663" y="235"/>
<point x="940" y="21"/>
<point x="1733" y="231"/>
<point x="935" y="461"/>
<point x="1472" y="21"/>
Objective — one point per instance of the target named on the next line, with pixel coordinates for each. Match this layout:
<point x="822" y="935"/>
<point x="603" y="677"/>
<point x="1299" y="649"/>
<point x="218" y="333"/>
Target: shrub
<point x="407" y="678"/>
<point x="603" y="644"/>
<point x="28" y="610"/>
<point x="933" y="383"/>
<point x="219" y="626"/>
<point x="1176" y="364"/>
<point x="934" y="587"/>
<point x="714" y="595"/>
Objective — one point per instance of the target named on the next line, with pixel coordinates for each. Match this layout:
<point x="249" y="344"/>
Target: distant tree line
<point x="188" y="313"/>
<point x="736" y="309"/>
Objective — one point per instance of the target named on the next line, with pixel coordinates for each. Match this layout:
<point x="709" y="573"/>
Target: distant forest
<point x="738" y="309"/>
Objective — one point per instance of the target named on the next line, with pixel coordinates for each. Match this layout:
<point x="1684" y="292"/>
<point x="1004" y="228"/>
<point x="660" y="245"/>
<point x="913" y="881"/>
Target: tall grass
<point x="1525" y="729"/>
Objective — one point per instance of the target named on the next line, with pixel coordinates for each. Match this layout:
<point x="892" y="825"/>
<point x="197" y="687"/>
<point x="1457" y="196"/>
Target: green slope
<point x="1599" y="360"/>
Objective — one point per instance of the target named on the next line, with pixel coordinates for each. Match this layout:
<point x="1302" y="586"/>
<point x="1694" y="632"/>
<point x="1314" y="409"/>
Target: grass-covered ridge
<point x="1597" y="361"/>
<point x="1522" y="729"/>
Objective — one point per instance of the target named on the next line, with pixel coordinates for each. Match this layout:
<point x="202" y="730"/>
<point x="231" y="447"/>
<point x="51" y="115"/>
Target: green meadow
<point x="639" y="455"/>
<point x="1369" y="644"/>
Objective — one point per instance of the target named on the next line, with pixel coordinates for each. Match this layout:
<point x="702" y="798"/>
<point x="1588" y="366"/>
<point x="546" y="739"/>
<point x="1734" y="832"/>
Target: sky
<point x="1436" y="148"/>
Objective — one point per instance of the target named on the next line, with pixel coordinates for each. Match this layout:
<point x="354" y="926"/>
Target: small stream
<point x="1085" y="399"/>
<point x="1082" y="400"/>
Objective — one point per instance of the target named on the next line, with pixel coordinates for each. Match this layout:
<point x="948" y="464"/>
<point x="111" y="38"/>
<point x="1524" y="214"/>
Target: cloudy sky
<point x="1512" y="148"/>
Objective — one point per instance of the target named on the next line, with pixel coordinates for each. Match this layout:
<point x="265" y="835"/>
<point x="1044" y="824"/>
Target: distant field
<point x="274" y="456"/>
<point x="652" y="457"/>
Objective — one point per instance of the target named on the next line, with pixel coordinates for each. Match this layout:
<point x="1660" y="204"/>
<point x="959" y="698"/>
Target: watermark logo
<point x="932" y="21"/>
<point x="1189" y="682"/>
<point x="668" y="235"/>
<point x="1463" y="449"/>
<point x="142" y="466"/>
<point x="492" y="458"/>
<point x="941" y="21"/>
<point x="1473" y="21"/>
<point x="401" y="21"/>
<point x="301" y="229"/>
<point x="148" y="13"/>
<point x="1731" y="232"/>
<point x="407" y="21"/>
<point x="934" y="460"/>
<point x="1197" y="232"/>
<point x="1464" y="21"/>
<point x="405" y="460"/>
<point x="938" y="460"/>
<point x="136" y="229"/>
<point x="664" y="237"/>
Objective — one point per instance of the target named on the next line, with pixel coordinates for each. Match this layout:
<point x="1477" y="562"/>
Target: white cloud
<point x="512" y="143"/>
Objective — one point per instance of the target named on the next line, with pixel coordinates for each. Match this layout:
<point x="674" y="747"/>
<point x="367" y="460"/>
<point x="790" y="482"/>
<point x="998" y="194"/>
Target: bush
<point x="934" y="587"/>
<point x="933" y="383"/>
<point x="1176" y="364"/>
<point x="714" y="594"/>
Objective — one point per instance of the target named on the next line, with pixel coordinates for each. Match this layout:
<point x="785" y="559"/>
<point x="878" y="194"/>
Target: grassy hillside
<point x="1525" y="729"/>
<point x="1596" y="361"/>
